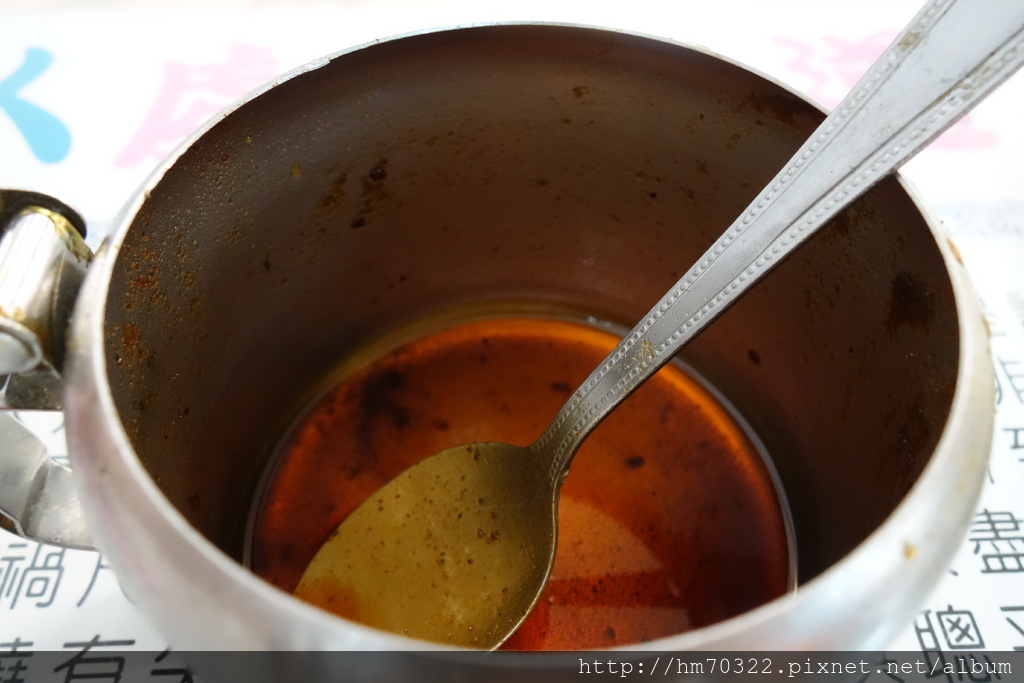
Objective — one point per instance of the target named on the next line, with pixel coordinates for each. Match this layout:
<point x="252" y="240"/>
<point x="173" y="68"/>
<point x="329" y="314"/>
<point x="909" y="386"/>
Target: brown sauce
<point x="668" y="521"/>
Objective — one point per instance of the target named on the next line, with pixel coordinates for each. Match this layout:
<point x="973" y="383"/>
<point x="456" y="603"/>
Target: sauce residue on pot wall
<point x="668" y="521"/>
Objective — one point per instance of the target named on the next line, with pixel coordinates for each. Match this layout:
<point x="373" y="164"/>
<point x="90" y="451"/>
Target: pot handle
<point x="43" y="260"/>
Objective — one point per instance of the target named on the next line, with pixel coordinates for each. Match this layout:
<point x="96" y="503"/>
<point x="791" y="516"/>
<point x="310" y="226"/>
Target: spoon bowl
<point x="465" y="540"/>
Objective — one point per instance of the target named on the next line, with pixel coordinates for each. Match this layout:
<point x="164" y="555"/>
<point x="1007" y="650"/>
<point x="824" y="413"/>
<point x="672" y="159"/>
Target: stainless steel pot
<point x="563" y="166"/>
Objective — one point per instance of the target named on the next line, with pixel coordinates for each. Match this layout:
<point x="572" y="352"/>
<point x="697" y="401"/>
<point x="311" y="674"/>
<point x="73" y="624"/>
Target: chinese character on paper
<point x="1016" y="437"/>
<point x="34" y="580"/>
<point x="960" y="633"/>
<point x="831" y="66"/>
<point x="1015" y="618"/>
<point x="960" y="629"/>
<point x="998" y="540"/>
<point x="12" y="660"/>
<point x="47" y="137"/>
<point x="88" y="665"/>
<point x="928" y="639"/>
<point x="177" y="674"/>
<point x="190" y="94"/>
<point x="1013" y="375"/>
<point x="100" y="567"/>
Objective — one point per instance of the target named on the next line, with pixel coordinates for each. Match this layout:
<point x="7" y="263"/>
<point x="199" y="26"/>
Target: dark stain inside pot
<point x="669" y="521"/>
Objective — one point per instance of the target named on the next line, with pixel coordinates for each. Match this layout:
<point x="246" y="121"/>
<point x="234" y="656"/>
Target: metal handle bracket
<point x="43" y="261"/>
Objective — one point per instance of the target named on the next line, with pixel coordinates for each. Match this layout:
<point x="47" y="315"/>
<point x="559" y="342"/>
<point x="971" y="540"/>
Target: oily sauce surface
<point x="668" y="520"/>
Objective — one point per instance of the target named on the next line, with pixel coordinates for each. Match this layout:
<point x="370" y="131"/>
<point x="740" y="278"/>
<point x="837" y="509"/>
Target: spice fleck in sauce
<point x="668" y="520"/>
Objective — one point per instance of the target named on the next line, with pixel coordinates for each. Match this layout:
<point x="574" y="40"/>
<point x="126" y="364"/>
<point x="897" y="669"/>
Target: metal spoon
<point x="458" y="548"/>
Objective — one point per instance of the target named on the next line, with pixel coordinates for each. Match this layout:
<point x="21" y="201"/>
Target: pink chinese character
<point x="833" y="65"/>
<point x="190" y="94"/>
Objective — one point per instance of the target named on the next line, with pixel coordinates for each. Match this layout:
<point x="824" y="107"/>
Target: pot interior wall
<point x="561" y="166"/>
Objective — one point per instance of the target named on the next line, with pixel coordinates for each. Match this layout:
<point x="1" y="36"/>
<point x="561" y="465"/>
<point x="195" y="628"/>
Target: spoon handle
<point x="950" y="56"/>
